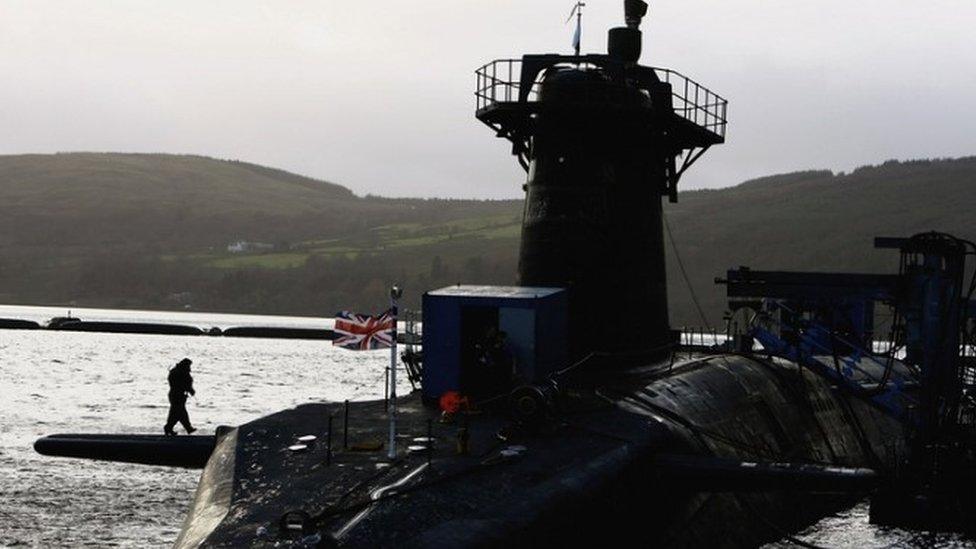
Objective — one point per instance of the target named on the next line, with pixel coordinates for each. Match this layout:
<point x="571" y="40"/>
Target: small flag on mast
<point x="578" y="12"/>
<point x="363" y="332"/>
<point x="576" y="38"/>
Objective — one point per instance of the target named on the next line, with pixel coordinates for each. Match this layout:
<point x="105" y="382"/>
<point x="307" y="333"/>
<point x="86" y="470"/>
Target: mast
<point x="577" y="35"/>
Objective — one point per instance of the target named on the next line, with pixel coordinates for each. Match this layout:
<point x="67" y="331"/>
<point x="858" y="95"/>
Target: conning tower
<point x="602" y="138"/>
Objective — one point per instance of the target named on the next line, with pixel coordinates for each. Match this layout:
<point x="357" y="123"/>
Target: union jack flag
<point x="364" y="332"/>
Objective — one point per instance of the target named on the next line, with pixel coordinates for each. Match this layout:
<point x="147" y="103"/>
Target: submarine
<point x="602" y="425"/>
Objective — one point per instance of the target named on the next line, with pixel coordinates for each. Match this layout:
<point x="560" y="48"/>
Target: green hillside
<point x="152" y="230"/>
<point x="177" y="202"/>
<point x="158" y="231"/>
<point x="814" y="221"/>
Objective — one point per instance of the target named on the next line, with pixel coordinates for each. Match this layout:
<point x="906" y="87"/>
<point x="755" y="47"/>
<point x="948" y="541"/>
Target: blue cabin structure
<point x="457" y="319"/>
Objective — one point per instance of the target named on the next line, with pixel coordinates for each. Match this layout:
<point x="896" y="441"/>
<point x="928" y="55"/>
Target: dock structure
<point x="925" y="379"/>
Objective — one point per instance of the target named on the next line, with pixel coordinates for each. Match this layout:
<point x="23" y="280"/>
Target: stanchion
<point x="430" y="441"/>
<point x="395" y="293"/>
<point x="328" y="444"/>
<point x="345" y="426"/>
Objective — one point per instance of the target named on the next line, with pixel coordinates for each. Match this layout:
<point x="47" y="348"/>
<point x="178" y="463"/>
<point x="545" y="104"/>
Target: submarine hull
<point x="601" y="470"/>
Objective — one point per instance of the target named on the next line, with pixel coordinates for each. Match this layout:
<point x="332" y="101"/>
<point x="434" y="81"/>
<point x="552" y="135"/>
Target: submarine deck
<point x="600" y="469"/>
<point x="355" y="494"/>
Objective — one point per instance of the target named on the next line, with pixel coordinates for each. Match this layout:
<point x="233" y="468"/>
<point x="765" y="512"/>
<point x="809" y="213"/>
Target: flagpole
<point x="395" y="293"/>
<point x="579" y="26"/>
<point x="577" y="39"/>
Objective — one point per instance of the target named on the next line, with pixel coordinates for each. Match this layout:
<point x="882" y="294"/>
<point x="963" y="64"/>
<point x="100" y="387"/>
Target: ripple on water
<point x="116" y="383"/>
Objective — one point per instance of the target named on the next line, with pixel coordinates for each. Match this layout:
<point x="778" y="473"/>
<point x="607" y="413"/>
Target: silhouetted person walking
<point x="180" y="383"/>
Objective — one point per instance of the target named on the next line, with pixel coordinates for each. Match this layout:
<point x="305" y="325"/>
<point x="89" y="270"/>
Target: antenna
<point x="578" y="12"/>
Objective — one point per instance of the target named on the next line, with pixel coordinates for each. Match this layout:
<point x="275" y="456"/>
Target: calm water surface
<point x="58" y="382"/>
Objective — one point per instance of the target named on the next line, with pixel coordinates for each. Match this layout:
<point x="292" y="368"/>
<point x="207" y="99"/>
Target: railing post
<point x="430" y="441"/>
<point x="686" y="98"/>
<point x="494" y="81"/>
<point x="724" y="121"/>
<point x="697" y="102"/>
<point x="508" y="85"/>
<point x="328" y="444"/>
<point x="345" y="426"/>
<point x="477" y="88"/>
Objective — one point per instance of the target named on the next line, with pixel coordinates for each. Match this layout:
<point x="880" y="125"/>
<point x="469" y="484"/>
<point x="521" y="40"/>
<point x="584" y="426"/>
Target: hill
<point x="154" y="230"/>
<point x="174" y="202"/>
<point x="815" y="221"/>
<point x="166" y="231"/>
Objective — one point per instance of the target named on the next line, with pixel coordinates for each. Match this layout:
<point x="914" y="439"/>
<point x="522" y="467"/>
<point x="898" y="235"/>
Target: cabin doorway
<point x="477" y="325"/>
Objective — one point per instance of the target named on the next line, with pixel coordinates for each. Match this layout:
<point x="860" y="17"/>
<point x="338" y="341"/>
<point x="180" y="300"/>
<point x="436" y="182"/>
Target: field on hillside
<point x="413" y="238"/>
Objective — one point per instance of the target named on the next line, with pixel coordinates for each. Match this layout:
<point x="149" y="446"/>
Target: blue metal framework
<point x="876" y="378"/>
<point x="824" y="322"/>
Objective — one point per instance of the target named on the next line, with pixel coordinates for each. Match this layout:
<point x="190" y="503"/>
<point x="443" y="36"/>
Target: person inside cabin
<point x="495" y="363"/>
<point x="180" y="384"/>
<point x="503" y="361"/>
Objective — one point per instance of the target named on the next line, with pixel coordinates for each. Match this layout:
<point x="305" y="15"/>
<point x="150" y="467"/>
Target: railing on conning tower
<point x="695" y="102"/>
<point x="499" y="82"/>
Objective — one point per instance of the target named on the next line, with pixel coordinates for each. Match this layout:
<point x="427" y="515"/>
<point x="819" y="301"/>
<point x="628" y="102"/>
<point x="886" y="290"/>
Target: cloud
<point x="378" y="96"/>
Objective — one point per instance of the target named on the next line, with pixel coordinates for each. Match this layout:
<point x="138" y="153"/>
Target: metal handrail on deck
<point x="499" y="82"/>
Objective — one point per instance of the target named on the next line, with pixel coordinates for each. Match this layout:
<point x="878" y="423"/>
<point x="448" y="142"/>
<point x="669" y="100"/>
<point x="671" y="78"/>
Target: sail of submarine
<point x="607" y="431"/>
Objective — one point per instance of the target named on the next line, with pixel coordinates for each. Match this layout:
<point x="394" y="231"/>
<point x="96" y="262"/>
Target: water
<point x="850" y="529"/>
<point x="60" y="382"/>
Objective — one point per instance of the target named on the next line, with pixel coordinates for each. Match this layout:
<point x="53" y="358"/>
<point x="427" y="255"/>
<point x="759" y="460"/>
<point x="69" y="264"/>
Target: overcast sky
<point x="377" y="96"/>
